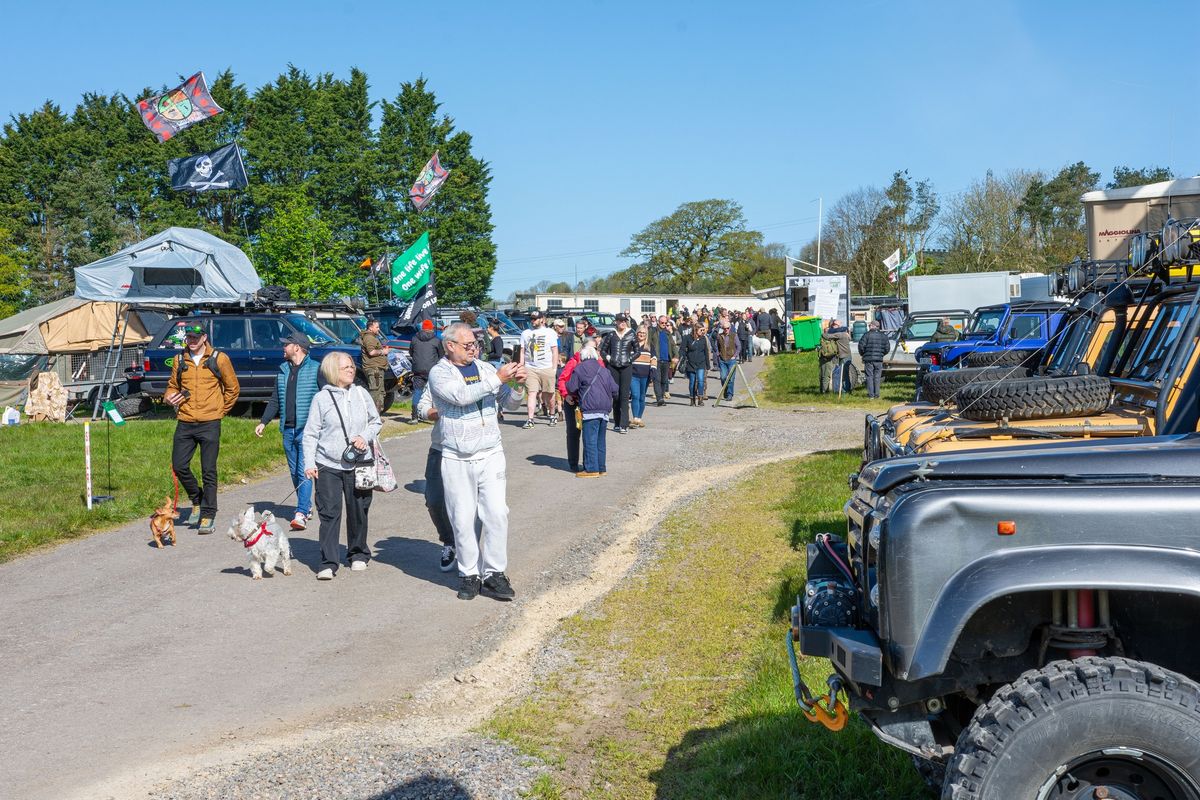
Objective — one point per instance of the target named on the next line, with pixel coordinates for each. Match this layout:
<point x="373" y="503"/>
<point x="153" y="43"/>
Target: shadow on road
<point x="425" y="787"/>
<point x="543" y="460"/>
<point x="415" y="557"/>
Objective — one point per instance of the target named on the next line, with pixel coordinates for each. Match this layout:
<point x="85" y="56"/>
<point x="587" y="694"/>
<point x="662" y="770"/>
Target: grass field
<point x="794" y="378"/>
<point x="42" y="477"/>
<point x="678" y="685"/>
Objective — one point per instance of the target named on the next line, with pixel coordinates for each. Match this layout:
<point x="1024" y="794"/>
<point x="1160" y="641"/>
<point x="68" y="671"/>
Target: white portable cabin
<point x="1115" y="215"/>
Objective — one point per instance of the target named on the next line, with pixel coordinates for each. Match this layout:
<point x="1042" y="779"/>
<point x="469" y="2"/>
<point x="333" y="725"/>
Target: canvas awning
<point x="70" y="325"/>
<point x="177" y="266"/>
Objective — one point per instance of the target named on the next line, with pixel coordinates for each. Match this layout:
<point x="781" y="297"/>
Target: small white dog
<point x="762" y="347"/>
<point x="264" y="540"/>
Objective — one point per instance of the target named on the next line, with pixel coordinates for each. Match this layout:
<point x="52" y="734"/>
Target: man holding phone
<point x="203" y="388"/>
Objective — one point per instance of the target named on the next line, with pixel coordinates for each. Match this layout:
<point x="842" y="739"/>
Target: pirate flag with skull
<point x="208" y="172"/>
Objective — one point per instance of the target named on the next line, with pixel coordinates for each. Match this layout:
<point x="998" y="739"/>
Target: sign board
<point x="824" y="296"/>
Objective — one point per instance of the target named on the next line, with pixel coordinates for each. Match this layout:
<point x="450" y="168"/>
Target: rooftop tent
<point x="70" y="325"/>
<point x="179" y="265"/>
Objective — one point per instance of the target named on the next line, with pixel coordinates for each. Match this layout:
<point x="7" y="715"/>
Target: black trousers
<point x="435" y="497"/>
<point x="333" y="487"/>
<point x="573" y="434"/>
<point x="206" y="436"/>
<point x="747" y="350"/>
<point x="662" y="379"/>
<point x="779" y="339"/>
<point x="623" y="377"/>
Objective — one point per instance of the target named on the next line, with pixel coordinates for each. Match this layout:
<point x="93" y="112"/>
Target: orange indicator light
<point x="1006" y="528"/>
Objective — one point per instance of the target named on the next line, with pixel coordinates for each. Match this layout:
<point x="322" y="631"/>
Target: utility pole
<point x="820" y="210"/>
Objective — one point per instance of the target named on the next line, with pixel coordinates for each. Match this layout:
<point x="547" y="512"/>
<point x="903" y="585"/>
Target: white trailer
<point x="970" y="290"/>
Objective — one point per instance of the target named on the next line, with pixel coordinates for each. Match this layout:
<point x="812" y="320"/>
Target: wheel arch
<point x="1041" y="570"/>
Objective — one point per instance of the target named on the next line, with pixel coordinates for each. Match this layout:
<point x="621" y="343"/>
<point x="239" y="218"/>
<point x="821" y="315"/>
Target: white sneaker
<point x="299" y="521"/>
<point x="358" y="566"/>
<point x="325" y="574"/>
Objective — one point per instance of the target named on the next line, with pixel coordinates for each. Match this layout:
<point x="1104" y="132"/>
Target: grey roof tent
<point x="177" y="266"/>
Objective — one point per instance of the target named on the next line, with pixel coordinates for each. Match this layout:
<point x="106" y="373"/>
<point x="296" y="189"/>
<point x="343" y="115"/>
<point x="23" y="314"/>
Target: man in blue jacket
<point x="295" y="386"/>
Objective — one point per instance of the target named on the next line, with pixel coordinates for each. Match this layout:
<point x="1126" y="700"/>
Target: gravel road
<point x="171" y="675"/>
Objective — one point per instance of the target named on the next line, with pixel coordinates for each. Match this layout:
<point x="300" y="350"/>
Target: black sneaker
<point x="446" y="562"/>
<point x="497" y="587"/>
<point x="470" y="588"/>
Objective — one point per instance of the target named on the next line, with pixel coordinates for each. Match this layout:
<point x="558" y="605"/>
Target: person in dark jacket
<point x="762" y="321"/>
<point x="696" y="357"/>
<point x="726" y="351"/>
<point x="425" y="351"/>
<point x="778" y="334"/>
<point x="874" y="347"/>
<point x="662" y="346"/>
<point x="495" y="350"/>
<point x="945" y="332"/>
<point x="595" y="390"/>
<point x="296" y="384"/>
<point x="840" y="334"/>
<point x="618" y="351"/>
<point x="745" y="332"/>
<point x="570" y="402"/>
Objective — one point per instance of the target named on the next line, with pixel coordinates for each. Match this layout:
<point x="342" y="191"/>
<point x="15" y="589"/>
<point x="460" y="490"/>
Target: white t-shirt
<point x="536" y="344"/>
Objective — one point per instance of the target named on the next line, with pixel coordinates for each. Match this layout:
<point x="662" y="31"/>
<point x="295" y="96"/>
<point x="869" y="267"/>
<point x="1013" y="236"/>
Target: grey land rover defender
<point x="1024" y="621"/>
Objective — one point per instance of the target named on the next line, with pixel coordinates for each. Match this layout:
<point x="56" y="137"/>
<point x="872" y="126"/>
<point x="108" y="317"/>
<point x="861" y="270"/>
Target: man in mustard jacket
<point x="203" y="388"/>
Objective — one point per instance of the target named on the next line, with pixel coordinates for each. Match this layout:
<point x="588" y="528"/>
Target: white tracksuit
<point x="473" y="466"/>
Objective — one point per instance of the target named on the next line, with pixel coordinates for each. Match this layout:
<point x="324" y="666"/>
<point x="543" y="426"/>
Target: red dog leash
<point x="253" y="540"/>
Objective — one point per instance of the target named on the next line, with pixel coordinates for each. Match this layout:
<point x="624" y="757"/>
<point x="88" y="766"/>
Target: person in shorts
<point x="539" y="356"/>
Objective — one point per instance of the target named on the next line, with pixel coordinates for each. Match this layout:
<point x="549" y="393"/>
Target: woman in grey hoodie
<point x="342" y="415"/>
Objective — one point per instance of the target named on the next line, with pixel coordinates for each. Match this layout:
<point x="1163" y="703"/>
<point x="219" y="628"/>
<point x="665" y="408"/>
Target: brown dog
<point x="163" y="523"/>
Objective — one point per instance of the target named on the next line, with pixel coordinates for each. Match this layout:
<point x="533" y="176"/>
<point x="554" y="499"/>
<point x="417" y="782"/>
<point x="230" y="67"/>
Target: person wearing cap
<point x="374" y="361"/>
<point x="203" y="388"/>
<point x="539" y="356"/>
<point x="296" y="385"/>
<point x="617" y="350"/>
<point x="425" y="351"/>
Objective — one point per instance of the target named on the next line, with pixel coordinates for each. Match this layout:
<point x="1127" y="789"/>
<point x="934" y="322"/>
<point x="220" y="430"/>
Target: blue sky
<point x="599" y="117"/>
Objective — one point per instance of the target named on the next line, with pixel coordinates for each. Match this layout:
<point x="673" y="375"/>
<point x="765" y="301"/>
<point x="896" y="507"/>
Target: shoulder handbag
<point x="366" y="475"/>
<point x="385" y="477"/>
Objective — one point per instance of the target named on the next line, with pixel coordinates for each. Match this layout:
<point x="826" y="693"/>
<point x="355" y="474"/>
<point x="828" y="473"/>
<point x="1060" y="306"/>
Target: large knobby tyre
<point x="133" y="405"/>
<point x="1072" y="727"/>
<point x="944" y="385"/>
<point x="1035" y="398"/>
<point x="1003" y="358"/>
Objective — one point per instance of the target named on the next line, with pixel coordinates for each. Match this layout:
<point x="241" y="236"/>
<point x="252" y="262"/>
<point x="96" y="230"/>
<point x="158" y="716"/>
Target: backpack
<point x="212" y="365"/>
<point x="828" y="348"/>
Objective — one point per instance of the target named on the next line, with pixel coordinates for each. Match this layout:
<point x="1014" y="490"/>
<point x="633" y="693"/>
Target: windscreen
<point x="345" y="329"/>
<point x="507" y="328"/>
<point x="316" y="333"/>
<point x="987" y="321"/>
<point x="1155" y="343"/>
<point x="1070" y="341"/>
<point x="920" y="328"/>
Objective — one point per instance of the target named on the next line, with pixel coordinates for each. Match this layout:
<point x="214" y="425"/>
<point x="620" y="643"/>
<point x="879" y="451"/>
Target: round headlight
<point x="875" y="596"/>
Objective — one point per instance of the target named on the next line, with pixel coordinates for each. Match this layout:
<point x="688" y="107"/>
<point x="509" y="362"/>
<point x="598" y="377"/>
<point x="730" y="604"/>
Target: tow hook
<point x="829" y="711"/>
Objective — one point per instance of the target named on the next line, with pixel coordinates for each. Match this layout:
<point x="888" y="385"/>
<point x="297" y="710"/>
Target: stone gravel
<point x="369" y="761"/>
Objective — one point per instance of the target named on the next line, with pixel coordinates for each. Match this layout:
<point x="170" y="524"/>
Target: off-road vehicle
<point x="1025" y="618"/>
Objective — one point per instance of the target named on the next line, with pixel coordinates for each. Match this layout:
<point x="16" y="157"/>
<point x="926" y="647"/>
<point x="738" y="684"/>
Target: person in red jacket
<point x="574" y="428"/>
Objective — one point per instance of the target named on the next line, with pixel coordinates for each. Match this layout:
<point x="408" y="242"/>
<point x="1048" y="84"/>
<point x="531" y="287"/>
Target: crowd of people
<point x="330" y="424"/>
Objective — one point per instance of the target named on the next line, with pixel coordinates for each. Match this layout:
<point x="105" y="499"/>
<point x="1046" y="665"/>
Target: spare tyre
<point x="133" y="405"/>
<point x="1035" y="398"/>
<point x="944" y="385"/>
<point x="1001" y="358"/>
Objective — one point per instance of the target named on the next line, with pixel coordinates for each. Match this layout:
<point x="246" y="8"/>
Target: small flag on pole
<point x="366" y="263"/>
<point x="169" y="113"/>
<point x="208" y="172"/>
<point x="891" y="261"/>
<point x="907" y="265"/>
<point x="431" y="179"/>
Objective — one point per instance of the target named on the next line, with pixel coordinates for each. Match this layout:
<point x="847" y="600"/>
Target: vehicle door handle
<point x="258" y="358"/>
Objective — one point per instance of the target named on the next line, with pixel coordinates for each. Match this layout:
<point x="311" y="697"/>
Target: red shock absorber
<point x="1087" y="618"/>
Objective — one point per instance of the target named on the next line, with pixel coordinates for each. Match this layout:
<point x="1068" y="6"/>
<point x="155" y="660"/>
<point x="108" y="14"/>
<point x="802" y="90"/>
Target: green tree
<point x="297" y="249"/>
<point x="1054" y="211"/>
<point x="695" y="244"/>
<point x="1124" y="177"/>
<point x="12" y="277"/>
<point x="459" y="219"/>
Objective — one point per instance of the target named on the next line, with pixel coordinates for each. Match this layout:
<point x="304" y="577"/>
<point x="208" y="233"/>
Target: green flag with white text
<point x="411" y="270"/>
<point x="412" y="280"/>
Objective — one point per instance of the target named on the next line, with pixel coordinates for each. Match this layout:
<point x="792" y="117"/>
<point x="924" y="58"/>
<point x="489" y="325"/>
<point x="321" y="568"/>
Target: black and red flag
<point x="169" y="113"/>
